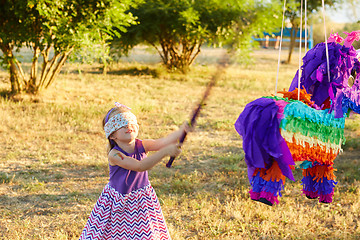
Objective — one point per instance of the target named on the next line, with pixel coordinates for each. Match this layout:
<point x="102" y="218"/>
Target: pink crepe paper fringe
<point x="254" y="195"/>
<point x="327" y="198"/>
<point x="310" y="194"/>
<point x="270" y="197"/>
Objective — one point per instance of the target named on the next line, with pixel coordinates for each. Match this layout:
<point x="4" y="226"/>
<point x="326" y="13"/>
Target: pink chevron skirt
<point x="132" y="216"/>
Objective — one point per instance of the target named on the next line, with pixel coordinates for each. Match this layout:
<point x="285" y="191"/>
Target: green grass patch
<point x="53" y="163"/>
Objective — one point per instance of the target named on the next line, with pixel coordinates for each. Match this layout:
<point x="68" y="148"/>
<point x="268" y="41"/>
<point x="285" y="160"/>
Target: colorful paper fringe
<point x="312" y="135"/>
<point x="267" y="183"/>
<point x="311" y="125"/>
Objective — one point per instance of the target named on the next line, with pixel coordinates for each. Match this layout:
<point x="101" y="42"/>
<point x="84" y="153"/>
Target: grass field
<point x="53" y="163"/>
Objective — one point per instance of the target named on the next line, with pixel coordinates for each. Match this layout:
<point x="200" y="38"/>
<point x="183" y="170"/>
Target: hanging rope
<point x="281" y="37"/>
<point x="305" y="26"/>
<point x="300" y="44"/>
<point x="326" y="46"/>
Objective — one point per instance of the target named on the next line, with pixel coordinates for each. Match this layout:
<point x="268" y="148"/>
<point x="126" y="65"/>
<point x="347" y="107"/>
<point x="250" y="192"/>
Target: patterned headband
<point x="118" y="121"/>
<point x="116" y="105"/>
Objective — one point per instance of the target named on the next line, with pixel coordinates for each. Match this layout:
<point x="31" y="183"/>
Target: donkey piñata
<point x="277" y="131"/>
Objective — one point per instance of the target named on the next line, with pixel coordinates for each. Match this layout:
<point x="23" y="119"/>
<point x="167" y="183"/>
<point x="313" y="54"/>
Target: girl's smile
<point x="126" y="133"/>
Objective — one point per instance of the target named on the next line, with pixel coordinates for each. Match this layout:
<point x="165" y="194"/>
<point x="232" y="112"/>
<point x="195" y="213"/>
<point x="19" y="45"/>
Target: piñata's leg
<point x="267" y="184"/>
<point x="308" y="181"/>
<point x="319" y="181"/>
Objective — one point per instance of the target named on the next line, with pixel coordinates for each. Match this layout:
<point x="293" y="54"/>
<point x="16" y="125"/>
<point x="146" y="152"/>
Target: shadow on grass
<point x="46" y="204"/>
<point x="347" y="165"/>
<point x="136" y="71"/>
<point x="31" y="178"/>
<point x="49" y="192"/>
<point x="19" y="97"/>
<point x="6" y="94"/>
<point x="131" y="71"/>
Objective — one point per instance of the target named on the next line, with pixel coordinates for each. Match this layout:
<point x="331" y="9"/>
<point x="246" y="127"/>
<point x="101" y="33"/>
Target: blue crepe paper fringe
<point x="260" y="185"/>
<point x="323" y="186"/>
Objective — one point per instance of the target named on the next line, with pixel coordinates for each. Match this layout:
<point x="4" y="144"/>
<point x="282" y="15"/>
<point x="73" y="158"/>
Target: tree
<point x="293" y="13"/>
<point x="53" y="30"/>
<point x="178" y="28"/>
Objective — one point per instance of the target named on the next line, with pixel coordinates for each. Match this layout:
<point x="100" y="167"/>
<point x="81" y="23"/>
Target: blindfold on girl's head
<point x="118" y="121"/>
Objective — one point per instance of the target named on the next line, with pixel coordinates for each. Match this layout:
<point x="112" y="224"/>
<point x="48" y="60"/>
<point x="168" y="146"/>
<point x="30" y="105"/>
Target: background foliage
<point x="177" y="29"/>
<point x="53" y="30"/>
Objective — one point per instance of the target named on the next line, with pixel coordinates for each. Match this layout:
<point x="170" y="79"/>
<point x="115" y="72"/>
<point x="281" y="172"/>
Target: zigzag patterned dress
<point x="128" y="208"/>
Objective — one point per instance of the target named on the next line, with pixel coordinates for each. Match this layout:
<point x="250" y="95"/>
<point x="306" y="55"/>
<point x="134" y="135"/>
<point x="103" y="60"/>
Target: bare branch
<point x="59" y="66"/>
<point x="21" y="71"/>
<point x="45" y="53"/>
<point x="197" y="53"/>
<point x="48" y="71"/>
<point x="34" y="67"/>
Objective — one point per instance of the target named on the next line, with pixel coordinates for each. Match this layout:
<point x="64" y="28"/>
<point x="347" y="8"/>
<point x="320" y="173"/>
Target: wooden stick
<point x="220" y="69"/>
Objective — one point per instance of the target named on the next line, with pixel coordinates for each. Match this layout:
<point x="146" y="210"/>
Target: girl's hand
<point x="173" y="150"/>
<point x="185" y="127"/>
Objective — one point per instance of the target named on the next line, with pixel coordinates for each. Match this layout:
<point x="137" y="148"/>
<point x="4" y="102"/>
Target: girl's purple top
<point x="124" y="180"/>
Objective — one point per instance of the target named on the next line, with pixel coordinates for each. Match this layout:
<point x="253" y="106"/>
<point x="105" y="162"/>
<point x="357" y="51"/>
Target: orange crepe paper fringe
<point x="318" y="172"/>
<point x="273" y="173"/>
<point x="304" y="96"/>
<point x="314" y="153"/>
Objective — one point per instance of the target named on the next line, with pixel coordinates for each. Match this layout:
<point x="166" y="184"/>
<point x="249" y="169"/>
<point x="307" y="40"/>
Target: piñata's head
<point x="341" y="91"/>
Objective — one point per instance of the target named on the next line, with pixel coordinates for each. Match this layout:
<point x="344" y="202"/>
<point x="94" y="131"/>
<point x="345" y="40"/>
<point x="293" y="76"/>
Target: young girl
<point x="128" y="207"/>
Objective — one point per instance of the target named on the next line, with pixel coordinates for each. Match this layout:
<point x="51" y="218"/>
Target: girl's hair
<point x="109" y="114"/>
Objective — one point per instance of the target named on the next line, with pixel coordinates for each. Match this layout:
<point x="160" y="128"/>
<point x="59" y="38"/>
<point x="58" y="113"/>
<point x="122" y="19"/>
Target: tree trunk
<point x="50" y="69"/>
<point x="177" y="55"/>
<point x="196" y="54"/>
<point x="15" y="79"/>
<point x="32" y="86"/>
<point x="292" y="41"/>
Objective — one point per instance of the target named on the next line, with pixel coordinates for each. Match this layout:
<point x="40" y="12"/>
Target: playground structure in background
<point x="270" y="40"/>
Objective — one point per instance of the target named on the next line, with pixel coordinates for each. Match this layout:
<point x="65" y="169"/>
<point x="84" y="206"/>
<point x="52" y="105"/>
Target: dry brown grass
<point x="53" y="165"/>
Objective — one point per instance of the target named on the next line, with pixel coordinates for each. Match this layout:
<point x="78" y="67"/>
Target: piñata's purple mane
<point x="343" y="63"/>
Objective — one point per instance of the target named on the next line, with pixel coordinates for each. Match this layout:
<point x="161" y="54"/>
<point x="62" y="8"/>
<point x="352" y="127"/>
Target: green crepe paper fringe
<point x="311" y="129"/>
<point x="301" y="110"/>
<point x="299" y="117"/>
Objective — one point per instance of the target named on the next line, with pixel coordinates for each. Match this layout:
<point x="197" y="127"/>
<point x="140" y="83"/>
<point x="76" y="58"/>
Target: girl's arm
<point x="118" y="158"/>
<point x="156" y="145"/>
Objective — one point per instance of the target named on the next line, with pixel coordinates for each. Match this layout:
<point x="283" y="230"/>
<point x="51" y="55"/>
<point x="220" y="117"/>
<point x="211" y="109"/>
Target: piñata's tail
<point x="259" y="125"/>
<point x="266" y="153"/>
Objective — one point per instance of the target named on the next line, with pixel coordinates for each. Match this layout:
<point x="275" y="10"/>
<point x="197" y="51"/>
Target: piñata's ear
<point x="335" y="37"/>
<point x="351" y="37"/>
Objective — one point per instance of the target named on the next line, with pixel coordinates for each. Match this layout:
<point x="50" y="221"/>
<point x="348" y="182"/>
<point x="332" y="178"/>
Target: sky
<point x="343" y="13"/>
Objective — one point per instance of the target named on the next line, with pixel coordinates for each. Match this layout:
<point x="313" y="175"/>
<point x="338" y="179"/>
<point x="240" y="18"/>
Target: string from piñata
<point x="300" y="44"/>
<point x="326" y="45"/>
<point x="220" y="69"/>
<point x="281" y="38"/>
<point x="305" y="26"/>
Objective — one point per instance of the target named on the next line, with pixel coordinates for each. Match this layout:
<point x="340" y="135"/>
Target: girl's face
<point x="126" y="134"/>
